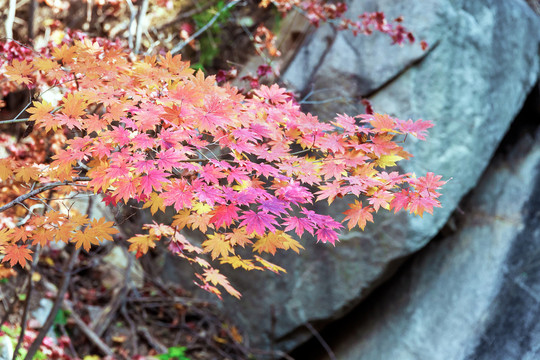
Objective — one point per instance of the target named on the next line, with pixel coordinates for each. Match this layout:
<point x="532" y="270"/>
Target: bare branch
<point x="140" y="19"/>
<point x="10" y="18"/>
<point x="88" y="332"/>
<point x="20" y="199"/>
<point x="319" y="338"/>
<point x="181" y="45"/>
<point x="132" y="14"/>
<point x="31" y="19"/>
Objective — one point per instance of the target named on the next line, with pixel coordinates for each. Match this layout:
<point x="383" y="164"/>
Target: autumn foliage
<point x="243" y="169"/>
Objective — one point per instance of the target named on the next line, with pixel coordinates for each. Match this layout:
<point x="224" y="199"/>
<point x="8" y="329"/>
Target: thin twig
<point x="151" y="340"/>
<point x="319" y="338"/>
<point x="140" y="19"/>
<point x="182" y="44"/>
<point x="13" y="121"/>
<point x="185" y="15"/>
<point x="88" y="332"/>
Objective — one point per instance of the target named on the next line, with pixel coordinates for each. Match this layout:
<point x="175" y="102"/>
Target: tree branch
<point x="10" y="18"/>
<point x="140" y="19"/>
<point x="20" y="199"/>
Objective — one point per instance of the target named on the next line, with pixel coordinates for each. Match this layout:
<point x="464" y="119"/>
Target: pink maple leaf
<point x="258" y="222"/>
<point x="153" y="179"/>
<point x="299" y="225"/>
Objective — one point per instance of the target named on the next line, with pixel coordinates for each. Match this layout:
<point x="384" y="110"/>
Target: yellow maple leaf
<point x="27" y="173"/>
<point x="102" y="229"/>
<point x="271" y="242"/>
<point x="142" y="243"/>
<point x="217" y="245"/>
<point x="236" y="262"/>
<point x="387" y="160"/>
<point x="6" y="166"/>
<point x="155" y="203"/>
<point x="269" y="266"/>
<point x="181" y="219"/>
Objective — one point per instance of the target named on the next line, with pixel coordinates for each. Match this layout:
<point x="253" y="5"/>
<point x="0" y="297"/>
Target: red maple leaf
<point x="224" y="215"/>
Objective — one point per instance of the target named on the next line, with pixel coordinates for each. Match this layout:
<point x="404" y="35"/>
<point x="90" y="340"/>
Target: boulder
<point x="472" y="294"/>
<point x="473" y="80"/>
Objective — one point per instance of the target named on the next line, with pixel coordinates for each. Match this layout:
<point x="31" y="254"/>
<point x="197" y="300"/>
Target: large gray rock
<point x="472" y="82"/>
<point x="472" y="295"/>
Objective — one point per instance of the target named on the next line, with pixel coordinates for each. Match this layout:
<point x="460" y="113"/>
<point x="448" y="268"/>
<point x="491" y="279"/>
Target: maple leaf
<point x="214" y="277"/>
<point x="179" y="193"/>
<point x="154" y="179"/>
<point x="299" y="225"/>
<point x="155" y="203"/>
<point x="239" y="236"/>
<point x="20" y="233"/>
<point x="64" y="232"/>
<point x="200" y="221"/>
<point x="65" y="53"/>
<point x="142" y="243"/>
<point x="224" y="215"/>
<point x="6" y="166"/>
<point x="42" y="236"/>
<point x="217" y="245"/>
<point x="19" y="71"/>
<point x="74" y="105"/>
<point x="27" y="173"/>
<point x="85" y="239"/>
<point x="258" y="222"/>
<point x="269" y="243"/>
<point x="236" y="262"/>
<point x="387" y="160"/>
<point x="41" y="112"/>
<point x="270" y="266"/>
<point x="17" y="255"/>
<point x="181" y="219"/>
<point x="5" y="236"/>
<point x="101" y="229"/>
<point x="330" y="191"/>
<point x="358" y="215"/>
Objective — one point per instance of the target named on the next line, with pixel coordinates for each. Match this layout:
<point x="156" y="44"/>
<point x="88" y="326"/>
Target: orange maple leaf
<point x="358" y="215"/>
<point x="17" y="254"/>
<point x="42" y="236"/>
<point x="85" y="239"/>
<point x="101" y="229"/>
<point x="19" y="71"/>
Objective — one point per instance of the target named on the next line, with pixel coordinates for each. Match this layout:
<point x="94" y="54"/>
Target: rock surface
<point x="472" y="295"/>
<point x="473" y="80"/>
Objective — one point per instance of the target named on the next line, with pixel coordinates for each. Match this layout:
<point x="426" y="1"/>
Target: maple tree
<point x="242" y="168"/>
